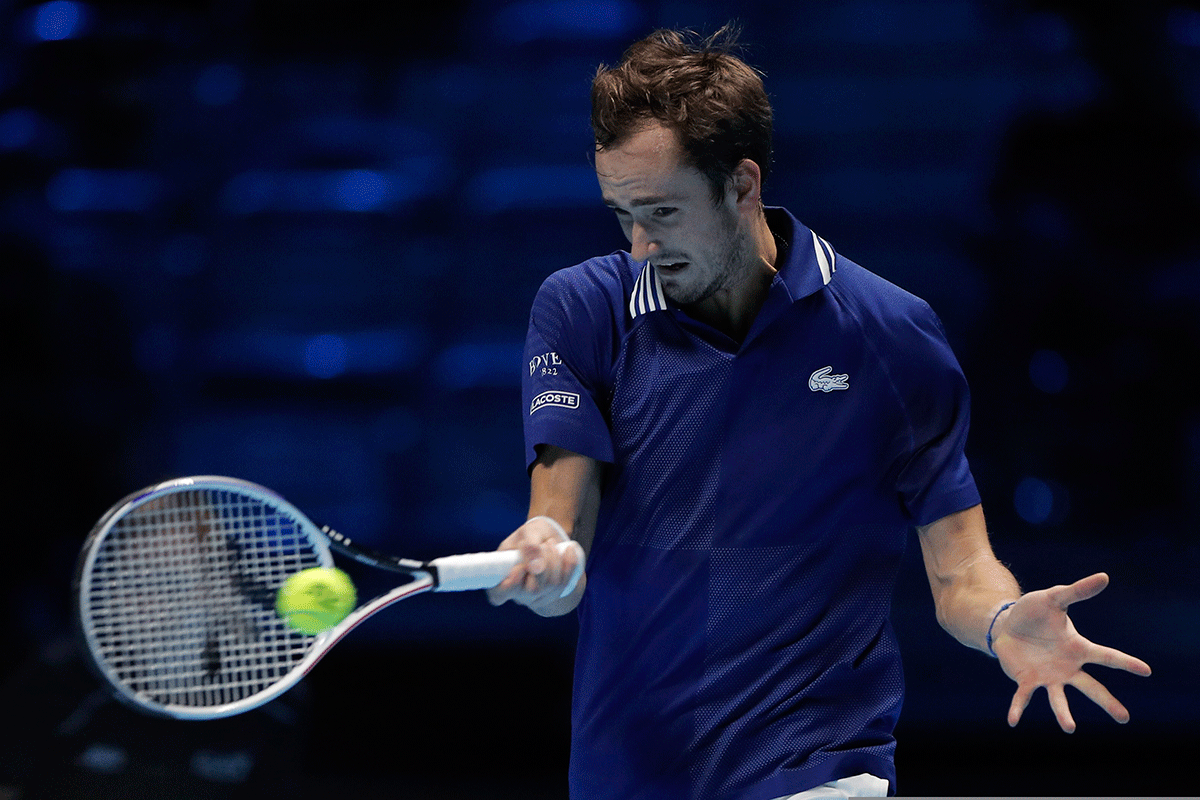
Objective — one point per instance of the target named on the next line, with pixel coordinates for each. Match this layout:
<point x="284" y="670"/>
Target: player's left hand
<point x="1038" y="646"/>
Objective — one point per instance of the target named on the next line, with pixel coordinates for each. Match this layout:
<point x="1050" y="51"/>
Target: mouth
<point x="671" y="267"/>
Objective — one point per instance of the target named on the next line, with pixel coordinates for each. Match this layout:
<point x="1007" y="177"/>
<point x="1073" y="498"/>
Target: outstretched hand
<point x="1038" y="646"/>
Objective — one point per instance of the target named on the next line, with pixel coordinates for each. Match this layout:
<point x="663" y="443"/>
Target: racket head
<point x="175" y="596"/>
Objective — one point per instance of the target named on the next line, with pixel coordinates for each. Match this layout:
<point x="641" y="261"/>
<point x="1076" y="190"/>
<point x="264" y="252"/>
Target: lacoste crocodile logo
<point x="823" y="381"/>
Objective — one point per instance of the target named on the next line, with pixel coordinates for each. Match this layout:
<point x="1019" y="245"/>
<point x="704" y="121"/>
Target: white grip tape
<point x="470" y="571"/>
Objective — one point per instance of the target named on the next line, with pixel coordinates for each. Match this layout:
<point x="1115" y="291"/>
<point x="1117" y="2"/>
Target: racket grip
<point x="469" y="571"/>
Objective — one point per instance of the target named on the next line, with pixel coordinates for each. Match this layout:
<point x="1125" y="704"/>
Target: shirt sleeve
<point x="933" y="478"/>
<point x="565" y="387"/>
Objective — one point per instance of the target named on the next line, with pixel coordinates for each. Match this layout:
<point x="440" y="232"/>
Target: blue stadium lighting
<point x="383" y="351"/>
<point x="58" y="20"/>
<point x="18" y="127"/>
<point x="1034" y="501"/>
<point x="353" y="191"/>
<point x="325" y="356"/>
<point x="565" y="19"/>
<point x="361" y="190"/>
<point x="473" y="365"/>
<point x="533" y="186"/>
<point x="76" y="189"/>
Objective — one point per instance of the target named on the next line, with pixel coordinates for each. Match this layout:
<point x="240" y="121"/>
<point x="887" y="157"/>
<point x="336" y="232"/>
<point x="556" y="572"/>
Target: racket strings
<point x="181" y="600"/>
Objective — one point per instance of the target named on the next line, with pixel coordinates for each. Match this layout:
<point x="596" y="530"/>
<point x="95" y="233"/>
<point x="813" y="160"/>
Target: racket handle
<point x="463" y="573"/>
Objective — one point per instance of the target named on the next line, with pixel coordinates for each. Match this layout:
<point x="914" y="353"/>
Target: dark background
<point x="296" y="242"/>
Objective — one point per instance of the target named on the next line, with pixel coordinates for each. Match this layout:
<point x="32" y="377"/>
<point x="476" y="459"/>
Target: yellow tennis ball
<point x="316" y="599"/>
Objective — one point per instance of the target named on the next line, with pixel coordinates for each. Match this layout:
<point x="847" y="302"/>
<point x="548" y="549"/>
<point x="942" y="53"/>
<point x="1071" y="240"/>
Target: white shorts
<point x="864" y="785"/>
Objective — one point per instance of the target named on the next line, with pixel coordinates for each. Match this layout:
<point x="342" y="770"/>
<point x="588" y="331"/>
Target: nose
<point x="642" y="245"/>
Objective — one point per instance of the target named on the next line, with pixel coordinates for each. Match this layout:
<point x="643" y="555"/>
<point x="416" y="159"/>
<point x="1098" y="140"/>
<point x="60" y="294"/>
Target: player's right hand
<point x="549" y="578"/>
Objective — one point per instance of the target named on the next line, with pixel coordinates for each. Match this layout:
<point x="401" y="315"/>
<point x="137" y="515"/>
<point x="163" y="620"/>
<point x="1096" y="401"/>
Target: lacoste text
<point x="561" y="399"/>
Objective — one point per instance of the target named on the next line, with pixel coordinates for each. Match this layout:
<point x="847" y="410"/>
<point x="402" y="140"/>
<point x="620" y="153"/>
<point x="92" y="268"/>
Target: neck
<point x="734" y="307"/>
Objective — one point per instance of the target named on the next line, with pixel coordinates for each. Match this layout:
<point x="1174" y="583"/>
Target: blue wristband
<point x="993" y="625"/>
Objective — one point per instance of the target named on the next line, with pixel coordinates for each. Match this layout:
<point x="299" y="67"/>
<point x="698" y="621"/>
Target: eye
<point x="662" y="212"/>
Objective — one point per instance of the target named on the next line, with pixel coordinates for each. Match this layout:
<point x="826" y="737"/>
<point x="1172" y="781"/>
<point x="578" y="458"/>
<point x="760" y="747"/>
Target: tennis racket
<point x="176" y="584"/>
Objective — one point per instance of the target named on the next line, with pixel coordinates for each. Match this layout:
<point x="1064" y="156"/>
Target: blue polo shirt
<point x="734" y="636"/>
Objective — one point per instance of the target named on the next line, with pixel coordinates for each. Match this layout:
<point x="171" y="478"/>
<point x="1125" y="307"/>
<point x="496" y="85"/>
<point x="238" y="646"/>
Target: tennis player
<point x="740" y="426"/>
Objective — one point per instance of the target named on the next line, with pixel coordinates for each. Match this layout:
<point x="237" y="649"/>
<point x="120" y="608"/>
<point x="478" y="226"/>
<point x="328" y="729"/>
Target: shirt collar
<point x="809" y="263"/>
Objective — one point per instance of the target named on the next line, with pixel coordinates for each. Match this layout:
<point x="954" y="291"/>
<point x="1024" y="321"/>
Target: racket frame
<point x="463" y="572"/>
<point x="423" y="580"/>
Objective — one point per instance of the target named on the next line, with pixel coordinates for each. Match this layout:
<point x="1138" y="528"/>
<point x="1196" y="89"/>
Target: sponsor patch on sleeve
<point x="560" y="399"/>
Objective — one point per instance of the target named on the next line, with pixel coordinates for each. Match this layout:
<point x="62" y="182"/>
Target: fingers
<point x="576" y="573"/>
<point x="1096" y="692"/>
<point x="1060" y="707"/>
<point x="1091" y="688"/>
<point x="1058" y="704"/>
<point x="538" y="566"/>
<point x="548" y="566"/>
<point x="515" y="582"/>
<point x="1109" y="657"/>
<point x="504" y="591"/>
<point x="1082" y="589"/>
<point x="539" y="558"/>
<point x="1020" y="702"/>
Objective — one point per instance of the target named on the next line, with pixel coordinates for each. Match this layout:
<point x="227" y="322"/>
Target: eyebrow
<point x="643" y="201"/>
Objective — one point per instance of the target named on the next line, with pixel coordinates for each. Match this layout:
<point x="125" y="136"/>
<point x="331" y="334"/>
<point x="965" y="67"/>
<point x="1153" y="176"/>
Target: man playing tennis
<point x="740" y="425"/>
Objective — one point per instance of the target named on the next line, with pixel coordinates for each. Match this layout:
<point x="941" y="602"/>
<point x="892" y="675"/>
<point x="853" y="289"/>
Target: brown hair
<point x="711" y="98"/>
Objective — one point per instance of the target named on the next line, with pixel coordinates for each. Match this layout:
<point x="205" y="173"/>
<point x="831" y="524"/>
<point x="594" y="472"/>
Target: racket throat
<point x="344" y="545"/>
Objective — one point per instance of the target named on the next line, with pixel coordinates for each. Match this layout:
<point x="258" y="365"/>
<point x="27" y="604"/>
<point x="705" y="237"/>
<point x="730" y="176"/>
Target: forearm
<point x="968" y="608"/>
<point x="969" y="583"/>
<point x="564" y="499"/>
<point x="565" y="486"/>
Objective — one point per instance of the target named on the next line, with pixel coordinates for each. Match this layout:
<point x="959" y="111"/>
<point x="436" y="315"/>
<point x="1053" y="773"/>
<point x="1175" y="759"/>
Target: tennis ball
<point x="315" y="599"/>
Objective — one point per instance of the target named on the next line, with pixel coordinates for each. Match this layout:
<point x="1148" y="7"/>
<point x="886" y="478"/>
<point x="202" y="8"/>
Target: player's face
<point x="666" y="211"/>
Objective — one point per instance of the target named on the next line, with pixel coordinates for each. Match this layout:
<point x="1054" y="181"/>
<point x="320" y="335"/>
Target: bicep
<point x="565" y="485"/>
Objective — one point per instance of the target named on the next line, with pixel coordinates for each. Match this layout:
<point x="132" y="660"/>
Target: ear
<point x="747" y="185"/>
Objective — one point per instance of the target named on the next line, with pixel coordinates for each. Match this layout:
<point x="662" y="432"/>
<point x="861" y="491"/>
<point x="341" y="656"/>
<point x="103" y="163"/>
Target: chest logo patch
<point x="823" y="381"/>
<point x="561" y="399"/>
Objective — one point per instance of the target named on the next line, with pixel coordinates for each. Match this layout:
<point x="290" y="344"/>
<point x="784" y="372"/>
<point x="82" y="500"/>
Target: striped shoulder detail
<point x="647" y="294"/>
<point x="826" y="258"/>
